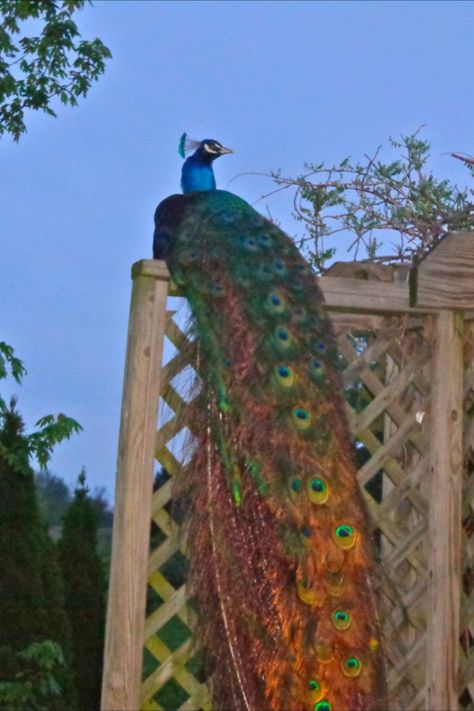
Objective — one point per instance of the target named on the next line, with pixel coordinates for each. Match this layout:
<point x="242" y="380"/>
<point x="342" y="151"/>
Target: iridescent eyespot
<point x="318" y="370"/>
<point x="351" y="667"/>
<point x="318" y="491"/>
<point x="345" y="536"/>
<point x="316" y="691"/>
<point x="276" y="304"/>
<point x="341" y="620"/>
<point x="323" y="705"/>
<point x="284" y="375"/>
<point x="301" y="418"/>
<point x="249" y="243"/>
<point x="296" y="484"/>
<point x="279" y="267"/>
<point x="283" y="337"/>
<point x="264" y="240"/>
<point x="306" y="531"/>
<point x="320" y="347"/>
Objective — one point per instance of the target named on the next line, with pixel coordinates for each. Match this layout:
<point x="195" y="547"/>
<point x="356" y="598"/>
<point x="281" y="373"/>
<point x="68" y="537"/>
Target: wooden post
<point x="130" y="540"/>
<point x="444" y="569"/>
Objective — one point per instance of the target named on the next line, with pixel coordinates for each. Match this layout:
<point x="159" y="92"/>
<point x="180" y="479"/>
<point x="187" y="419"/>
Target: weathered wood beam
<point x="444" y="560"/>
<point x="444" y="279"/>
<point x="130" y="541"/>
<point x="342" y="293"/>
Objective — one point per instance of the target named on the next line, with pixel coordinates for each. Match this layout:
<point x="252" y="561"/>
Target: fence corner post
<point x="444" y="530"/>
<point x="134" y="481"/>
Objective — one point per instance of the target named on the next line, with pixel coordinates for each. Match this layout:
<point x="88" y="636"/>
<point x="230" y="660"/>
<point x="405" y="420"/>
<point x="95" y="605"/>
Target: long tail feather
<point x="281" y="563"/>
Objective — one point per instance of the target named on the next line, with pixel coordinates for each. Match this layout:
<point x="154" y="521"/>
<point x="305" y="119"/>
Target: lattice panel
<point x="466" y="699"/>
<point x="387" y="387"/>
<point x="386" y="370"/>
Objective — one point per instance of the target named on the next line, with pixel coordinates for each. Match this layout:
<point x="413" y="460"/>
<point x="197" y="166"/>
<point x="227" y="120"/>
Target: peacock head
<point x="209" y="149"/>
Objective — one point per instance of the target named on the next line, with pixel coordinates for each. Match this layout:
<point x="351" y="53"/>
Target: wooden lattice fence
<point x="408" y="373"/>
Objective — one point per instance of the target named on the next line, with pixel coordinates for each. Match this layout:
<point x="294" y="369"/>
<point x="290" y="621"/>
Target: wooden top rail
<point x="443" y="279"/>
<point x="339" y="292"/>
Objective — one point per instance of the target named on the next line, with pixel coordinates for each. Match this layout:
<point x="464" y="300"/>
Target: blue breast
<point x="197" y="176"/>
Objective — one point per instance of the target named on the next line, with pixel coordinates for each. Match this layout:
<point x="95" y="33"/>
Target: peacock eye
<point x="296" y="485"/>
<point x="264" y="240"/>
<point x="301" y="417"/>
<point x="345" y="536"/>
<point x="249" y="243"/>
<point x="313" y="685"/>
<point x="320" y="347"/>
<point x="341" y="620"/>
<point x="318" y="491"/>
<point x="351" y="667"/>
<point x="283" y="337"/>
<point x="284" y="375"/>
<point x="323" y="705"/>
<point x="279" y="267"/>
<point x="276" y="304"/>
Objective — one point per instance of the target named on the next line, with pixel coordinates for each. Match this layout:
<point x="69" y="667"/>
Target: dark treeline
<point x="52" y="593"/>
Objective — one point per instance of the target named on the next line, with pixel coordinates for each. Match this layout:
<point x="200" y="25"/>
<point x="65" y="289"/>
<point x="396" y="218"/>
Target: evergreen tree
<point x="85" y="593"/>
<point x="31" y="596"/>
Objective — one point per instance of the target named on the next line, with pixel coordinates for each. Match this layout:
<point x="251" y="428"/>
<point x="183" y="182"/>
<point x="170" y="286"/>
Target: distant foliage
<point x="31" y="591"/>
<point x="56" y="62"/>
<point x="388" y="211"/>
<point x="55" y="496"/>
<point x="85" y="594"/>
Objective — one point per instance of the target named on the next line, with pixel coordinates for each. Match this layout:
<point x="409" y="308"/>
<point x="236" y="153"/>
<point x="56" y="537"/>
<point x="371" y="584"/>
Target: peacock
<point x="281" y="557"/>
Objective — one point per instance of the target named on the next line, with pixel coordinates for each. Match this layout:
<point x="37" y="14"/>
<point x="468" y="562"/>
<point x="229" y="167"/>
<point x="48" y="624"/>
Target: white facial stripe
<point x="208" y="149"/>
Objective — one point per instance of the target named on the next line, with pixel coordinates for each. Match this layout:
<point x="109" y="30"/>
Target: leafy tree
<point x="31" y="595"/>
<point x="85" y="593"/>
<point x="398" y="205"/>
<point x="35" y="686"/>
<point x="54" y="63"/>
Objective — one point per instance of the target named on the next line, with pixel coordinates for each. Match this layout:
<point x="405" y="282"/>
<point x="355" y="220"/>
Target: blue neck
<point x="197" y="174"/>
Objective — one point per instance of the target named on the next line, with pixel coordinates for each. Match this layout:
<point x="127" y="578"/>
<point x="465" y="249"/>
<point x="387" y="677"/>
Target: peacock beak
<point x="226" y="150"/>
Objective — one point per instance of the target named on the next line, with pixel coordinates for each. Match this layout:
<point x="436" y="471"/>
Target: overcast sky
<point x="280" y="82"/>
